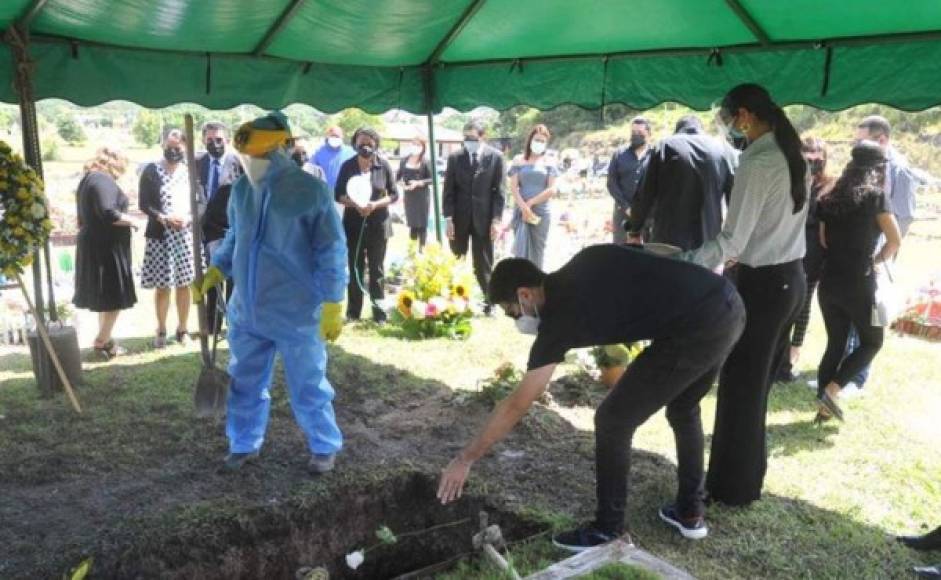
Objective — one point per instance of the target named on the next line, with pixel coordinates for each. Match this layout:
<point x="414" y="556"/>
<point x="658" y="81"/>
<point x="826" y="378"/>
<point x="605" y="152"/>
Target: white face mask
<point x="526" y="323"/>
<point x="255" y="168"/>
<point x="334" y="142"/>
<point x="471" y="146"/>
<point x="538" y="147"/>
<point x="411" y="150"/>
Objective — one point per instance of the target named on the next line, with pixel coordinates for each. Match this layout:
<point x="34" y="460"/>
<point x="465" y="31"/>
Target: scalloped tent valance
<point x="421" y="55"/>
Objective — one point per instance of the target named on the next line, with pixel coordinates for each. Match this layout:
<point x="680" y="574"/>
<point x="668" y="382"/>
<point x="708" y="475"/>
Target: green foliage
<point x="499" y="385"/>
<point x="352" y="119"/>
<point x="385" y="535"/>
<point x="146" y="129"/>
<point x="620" y="571"/>
<point x="8" y="115"/>
<point x="70" y="130"/>
<point x="50" y="149"/>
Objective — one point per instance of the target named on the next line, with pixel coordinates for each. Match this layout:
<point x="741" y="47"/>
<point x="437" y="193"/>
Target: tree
<point x="352" y="119"/>
<point x="147" y="128"/>
<point x="69" y="130"/>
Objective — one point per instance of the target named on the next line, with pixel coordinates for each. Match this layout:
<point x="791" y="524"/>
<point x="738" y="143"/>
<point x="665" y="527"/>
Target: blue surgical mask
<point x="526" y="323"/>
<point x="471" y="146"/>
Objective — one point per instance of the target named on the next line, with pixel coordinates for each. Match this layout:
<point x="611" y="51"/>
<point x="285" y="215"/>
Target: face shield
<point x="257" y="141"/>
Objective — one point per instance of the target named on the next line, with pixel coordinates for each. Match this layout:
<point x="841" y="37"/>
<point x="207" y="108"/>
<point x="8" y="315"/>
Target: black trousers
<point x="372" y="255"/>
<point x="419" y="234"/>
<point x="677" y="372"/>
<point x="481" y="247"/>
<point x="738" y="462"/>
<point x="846" y="304"/>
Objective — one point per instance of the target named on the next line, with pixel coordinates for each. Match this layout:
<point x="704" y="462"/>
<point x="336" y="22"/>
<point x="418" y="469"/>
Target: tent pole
<point x="432" y="147"/>
<point x="22" y="66"/>
<point x="428" y="79"/>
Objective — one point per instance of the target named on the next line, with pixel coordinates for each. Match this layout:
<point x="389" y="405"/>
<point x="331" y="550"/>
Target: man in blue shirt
<point x="625" y="172"/>
<point x="331" y="155"/>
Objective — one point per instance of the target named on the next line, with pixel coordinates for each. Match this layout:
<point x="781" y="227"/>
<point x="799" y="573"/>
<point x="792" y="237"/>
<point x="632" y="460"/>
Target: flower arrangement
<point x="435" y="298"/>
<point x="24" y="216"/>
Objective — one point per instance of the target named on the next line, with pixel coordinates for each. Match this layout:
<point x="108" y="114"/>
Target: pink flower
<point x="431" y="310"/>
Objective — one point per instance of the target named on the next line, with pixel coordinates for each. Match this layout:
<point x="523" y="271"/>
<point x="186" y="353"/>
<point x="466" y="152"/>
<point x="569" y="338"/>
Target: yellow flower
<point x="19" y="232"/>
<point x="22" y="194"/>
<point x="404" y="303"/>
<point x="459" y="290"/>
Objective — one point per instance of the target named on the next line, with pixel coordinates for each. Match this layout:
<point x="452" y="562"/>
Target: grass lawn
<point x="834" y="495"/>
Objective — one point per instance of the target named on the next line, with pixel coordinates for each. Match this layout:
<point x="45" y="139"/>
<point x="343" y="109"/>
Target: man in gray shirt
<point x="900" y="182"/>
<point x="625" y="172"/>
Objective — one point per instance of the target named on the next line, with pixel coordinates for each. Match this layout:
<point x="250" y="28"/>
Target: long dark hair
<point x="863" y="177"/>
<point x="755" y="99"/>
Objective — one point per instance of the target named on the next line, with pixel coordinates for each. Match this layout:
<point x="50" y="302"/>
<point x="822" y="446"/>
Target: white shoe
<point x="812" y="384"/>
<point x="850" y="390"/>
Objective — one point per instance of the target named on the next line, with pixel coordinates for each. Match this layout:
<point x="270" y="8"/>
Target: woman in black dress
<point x="103" y="279"/>
<point x="854" y="215"/>
<point x="415" y="176"/>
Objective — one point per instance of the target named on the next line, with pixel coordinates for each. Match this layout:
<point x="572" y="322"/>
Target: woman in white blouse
<point x="764" y="234"/>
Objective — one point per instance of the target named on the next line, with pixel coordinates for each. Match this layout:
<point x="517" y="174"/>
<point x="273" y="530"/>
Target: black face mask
<point x="816" y="166"/>
<point x="638" y="140"/>
<point x="299" y="157"/>
<point x="216" y="150"/>
<point x="365" y="151"/>
<point x="173" y="154"/>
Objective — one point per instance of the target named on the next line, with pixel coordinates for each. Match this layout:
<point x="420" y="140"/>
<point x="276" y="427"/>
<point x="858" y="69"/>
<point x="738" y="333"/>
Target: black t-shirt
<point x="852" y="234"/>
<point x="609" y="294"/>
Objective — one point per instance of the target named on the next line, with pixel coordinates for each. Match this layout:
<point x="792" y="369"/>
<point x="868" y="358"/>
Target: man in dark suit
<point x="215" y="168"/>
<point x="688" y="177"/>
<point x="473" y="201"/>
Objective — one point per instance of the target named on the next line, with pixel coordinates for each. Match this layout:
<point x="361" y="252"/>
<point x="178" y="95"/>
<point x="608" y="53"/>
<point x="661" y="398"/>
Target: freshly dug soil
<point x="276" y="542"/>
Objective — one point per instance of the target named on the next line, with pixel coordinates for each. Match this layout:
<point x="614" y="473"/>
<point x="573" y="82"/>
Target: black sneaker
<point x="235" y="461"/>
<point x="691" y="528"/>
<point x="929" y="541"/>
<point x="580" y="539"/>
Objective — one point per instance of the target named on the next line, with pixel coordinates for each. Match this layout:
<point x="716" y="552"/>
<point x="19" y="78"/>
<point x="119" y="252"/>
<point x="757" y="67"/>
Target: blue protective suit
<point x="285" y="250"/>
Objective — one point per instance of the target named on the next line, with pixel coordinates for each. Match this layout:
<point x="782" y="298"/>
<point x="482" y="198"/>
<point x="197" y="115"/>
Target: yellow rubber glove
<point x="212" y="278"/>
<point x="331" y="321"/>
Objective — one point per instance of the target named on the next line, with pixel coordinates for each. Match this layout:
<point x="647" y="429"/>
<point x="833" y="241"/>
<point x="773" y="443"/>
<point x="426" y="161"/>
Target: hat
<point x="263" y="135"/>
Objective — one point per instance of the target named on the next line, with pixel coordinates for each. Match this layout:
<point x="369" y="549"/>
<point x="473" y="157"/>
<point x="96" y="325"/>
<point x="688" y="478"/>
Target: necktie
<point x="474" y="161"/>
<point x="213" y="178"/>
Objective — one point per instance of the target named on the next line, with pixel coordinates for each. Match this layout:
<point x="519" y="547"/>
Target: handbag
<point x="884" y="303"/>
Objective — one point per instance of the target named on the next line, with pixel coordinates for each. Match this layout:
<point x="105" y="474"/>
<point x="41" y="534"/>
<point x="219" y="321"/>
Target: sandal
<point x="160" y="341"/>
<point x="109" y="350"/>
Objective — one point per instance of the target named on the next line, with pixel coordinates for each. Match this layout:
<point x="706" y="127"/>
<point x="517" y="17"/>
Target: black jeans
<point x="738" y="462"/>
<point x="677" y="372"/>
<point x="372" y="252"/>
<point x="481" y="251"/>
<point x="846" y="304"/>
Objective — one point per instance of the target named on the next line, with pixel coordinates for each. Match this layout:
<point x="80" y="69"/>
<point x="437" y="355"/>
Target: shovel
<point x="212" y="383"/>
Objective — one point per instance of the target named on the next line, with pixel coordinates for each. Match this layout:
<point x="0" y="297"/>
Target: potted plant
<point x="612" y="361"/>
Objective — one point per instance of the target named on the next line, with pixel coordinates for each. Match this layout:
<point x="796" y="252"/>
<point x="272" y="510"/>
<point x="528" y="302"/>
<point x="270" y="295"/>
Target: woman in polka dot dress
<point x="168" y="255"/>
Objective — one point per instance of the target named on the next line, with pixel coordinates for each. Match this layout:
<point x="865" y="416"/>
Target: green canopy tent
<point x="423" y="55"/>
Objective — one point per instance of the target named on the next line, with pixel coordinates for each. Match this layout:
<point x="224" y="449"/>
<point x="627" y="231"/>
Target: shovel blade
<point x="212" y="387"/>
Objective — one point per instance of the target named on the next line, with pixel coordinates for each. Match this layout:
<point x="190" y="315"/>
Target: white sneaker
<point x="812" y="384"/>
<point x="850" y="390"/>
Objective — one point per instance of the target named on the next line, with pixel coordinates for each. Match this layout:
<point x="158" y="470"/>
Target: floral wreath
<point x="24" y="217"/>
